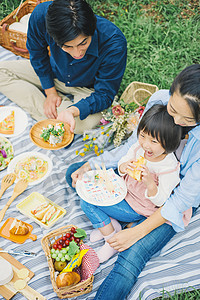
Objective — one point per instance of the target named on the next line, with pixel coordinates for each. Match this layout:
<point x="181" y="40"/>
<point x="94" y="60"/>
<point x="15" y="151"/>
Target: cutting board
<point x="8" y="290"/>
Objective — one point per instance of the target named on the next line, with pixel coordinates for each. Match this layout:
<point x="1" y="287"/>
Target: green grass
<point x="163" y="38"/>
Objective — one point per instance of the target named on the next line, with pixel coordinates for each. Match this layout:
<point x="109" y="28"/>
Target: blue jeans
<point x="130" y="262"/>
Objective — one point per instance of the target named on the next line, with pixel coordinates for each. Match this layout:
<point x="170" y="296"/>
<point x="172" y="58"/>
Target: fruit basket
<point x="87" y="268"/>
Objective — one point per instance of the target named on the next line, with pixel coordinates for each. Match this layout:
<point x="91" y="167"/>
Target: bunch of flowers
<point x="117" y="123"/>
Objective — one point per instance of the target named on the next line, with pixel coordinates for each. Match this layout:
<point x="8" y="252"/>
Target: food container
<point x="32" y="201"/>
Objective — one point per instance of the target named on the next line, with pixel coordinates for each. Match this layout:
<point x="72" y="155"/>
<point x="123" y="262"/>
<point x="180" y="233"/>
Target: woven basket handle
<point x="140" y="89"/>
<point x="13" y="44"/>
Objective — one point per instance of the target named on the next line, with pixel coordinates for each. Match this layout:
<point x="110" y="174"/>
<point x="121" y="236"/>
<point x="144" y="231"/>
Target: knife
<point x="19" y="252"/>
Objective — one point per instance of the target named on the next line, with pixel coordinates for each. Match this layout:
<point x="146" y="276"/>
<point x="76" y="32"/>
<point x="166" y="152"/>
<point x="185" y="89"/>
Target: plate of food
<point x="32" y="166"/>
<point x="6" y="152"/>
<point x="51" y="134"/>
<point x="13" y="121"/>
<point x="94" y="190"/>
<point x="41" y="209"/>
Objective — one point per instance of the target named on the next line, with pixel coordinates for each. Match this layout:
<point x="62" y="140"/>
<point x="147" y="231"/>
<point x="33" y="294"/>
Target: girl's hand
<point x="124" y="239"/>
<point x="127" y="165"/>
<point x="148" y="180"/>
<point x="78" y="174"/>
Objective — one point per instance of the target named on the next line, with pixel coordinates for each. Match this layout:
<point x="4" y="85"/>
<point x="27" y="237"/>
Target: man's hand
<point x="68" y="115"/>
<point x="51" y="103"/>
<point x="78" y="174"/>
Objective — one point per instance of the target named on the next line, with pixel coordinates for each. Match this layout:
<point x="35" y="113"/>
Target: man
<point x="79" y="76"/>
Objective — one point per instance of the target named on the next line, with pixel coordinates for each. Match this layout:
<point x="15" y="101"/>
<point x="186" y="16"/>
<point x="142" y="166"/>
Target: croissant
<point x="18" y="228"/>
<point x="67" y="279"/>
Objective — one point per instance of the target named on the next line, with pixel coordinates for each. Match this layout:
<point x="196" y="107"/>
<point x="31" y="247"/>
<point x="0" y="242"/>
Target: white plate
<point x="96" y="193"/>
<point x="21" y="120"/>
<point x="12" y="164"/>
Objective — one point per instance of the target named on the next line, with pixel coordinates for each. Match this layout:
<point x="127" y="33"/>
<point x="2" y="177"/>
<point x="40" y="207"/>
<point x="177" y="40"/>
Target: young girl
<point x="158" y="138"/>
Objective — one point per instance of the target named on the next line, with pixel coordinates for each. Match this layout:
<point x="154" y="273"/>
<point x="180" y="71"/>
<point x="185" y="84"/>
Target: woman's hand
<point x="68" y="115"/>
<point x="78" y="174"/>
<point x="124" y="239"/>
<point x="51" y="103"/>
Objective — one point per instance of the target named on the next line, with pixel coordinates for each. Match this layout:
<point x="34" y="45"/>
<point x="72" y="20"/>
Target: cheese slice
<point x="7" y="126"/>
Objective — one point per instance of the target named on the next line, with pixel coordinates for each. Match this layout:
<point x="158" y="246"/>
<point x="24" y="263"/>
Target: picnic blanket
<point x="177" y="267"/>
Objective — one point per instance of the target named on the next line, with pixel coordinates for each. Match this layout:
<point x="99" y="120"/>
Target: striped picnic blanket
<point x="177" y="267"/>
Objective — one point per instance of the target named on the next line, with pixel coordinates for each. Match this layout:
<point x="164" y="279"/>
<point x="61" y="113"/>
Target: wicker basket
<point x="15" y="40"/>
<point x="82" y="287"/>
<point x="138" y="92"/>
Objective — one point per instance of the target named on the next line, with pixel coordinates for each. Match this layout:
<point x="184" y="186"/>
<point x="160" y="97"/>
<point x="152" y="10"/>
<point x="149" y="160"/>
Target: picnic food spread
<point x="31" y="168"/>
<point x="7" y="126"/>
<point x="67" y="251"/>
<point x="135" y="173"/>
<point x="6" y="152"/>
<point x="53" y="134"/>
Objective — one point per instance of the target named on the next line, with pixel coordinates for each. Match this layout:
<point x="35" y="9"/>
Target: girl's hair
<point x="160" y="125"/>
<point x="67" y="19"/>
<point x="187" y="84"/>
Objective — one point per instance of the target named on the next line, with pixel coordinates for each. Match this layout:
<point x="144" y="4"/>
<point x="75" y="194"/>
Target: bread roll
<point x="67" y="279"/>
<point x="18" y="228"/>
<point x="135" y="173"/>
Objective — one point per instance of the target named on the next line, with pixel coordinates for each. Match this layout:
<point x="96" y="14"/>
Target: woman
<point x="137" y="245"/>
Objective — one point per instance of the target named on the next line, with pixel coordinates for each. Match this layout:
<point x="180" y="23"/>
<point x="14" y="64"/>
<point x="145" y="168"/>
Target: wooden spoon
<point x="7" y="181"/>
<point x="19" y="188"/>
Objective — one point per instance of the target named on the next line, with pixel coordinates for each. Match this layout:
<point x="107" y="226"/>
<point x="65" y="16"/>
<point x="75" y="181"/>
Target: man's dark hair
<point x="67" y="19"/>
<point x="160" y="125"/>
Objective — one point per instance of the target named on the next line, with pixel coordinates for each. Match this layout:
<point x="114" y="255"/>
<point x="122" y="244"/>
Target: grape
<point x="59" y="247"/>
<point x="57" y="251"/>
<point x="64" y="251"/>
<point x="67" y="235"/>
<point x="67" y="257"/>
<point x="63" y="259"/>
<point x="53" y="250"/>
<point x="55" y="246"/>
<point x="64" y="238"/>
<point x="54" y="255"/>
<point x="57" y="258"/>
<point x="60" y="255"/>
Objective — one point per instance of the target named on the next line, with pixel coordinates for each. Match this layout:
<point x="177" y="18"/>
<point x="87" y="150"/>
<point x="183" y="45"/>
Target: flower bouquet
<point x="117" y="123"/>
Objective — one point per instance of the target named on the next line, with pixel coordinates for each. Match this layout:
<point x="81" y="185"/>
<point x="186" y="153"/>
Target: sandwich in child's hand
<point x="46" y="213"/>
<point x="135" y="173"/>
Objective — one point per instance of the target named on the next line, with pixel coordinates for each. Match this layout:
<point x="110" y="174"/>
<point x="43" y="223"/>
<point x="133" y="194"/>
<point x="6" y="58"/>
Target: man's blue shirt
<point x="101" y="68"/>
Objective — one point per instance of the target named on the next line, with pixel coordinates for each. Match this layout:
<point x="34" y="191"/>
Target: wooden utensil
<point x="19" y="188"/>
<point x="7" y="181"/>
